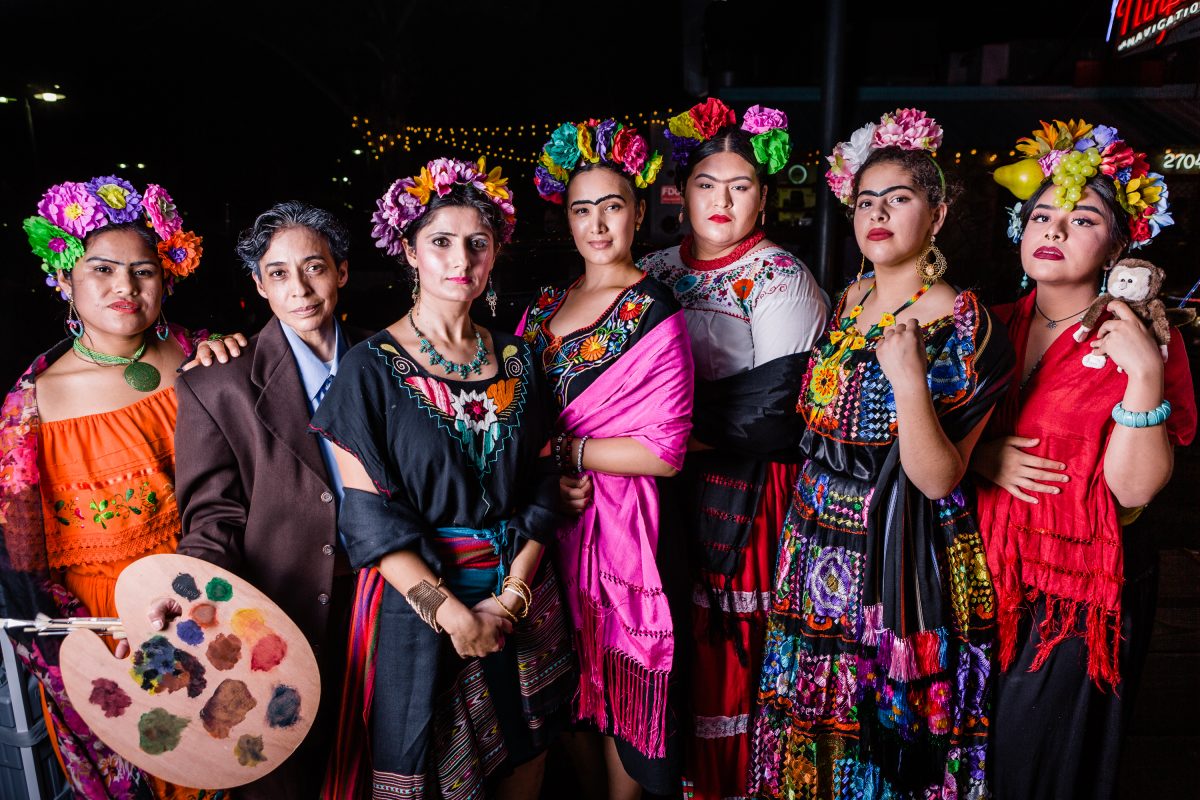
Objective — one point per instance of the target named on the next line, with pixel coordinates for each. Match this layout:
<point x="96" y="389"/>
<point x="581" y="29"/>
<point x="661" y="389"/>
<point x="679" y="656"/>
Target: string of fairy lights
<point x="521" y="142"/>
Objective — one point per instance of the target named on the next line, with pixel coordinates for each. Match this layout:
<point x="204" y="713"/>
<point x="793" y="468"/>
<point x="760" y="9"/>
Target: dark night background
<point x="233" y="107"/>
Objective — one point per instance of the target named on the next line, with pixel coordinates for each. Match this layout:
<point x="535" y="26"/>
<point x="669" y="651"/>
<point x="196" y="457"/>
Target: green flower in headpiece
<point x="772" y="149"/>
<point x="563" y="147"/>
<point x="57" y="248"/>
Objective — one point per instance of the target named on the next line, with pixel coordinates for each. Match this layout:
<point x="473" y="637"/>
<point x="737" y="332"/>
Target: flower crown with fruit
<point x="767" y="126"/>
<point x="1069" y="153"/>
<point x="69" y="211"/>
<point x="906" y="128"/>
<point x="593" y="142"/>
<point x="407" y="199"/>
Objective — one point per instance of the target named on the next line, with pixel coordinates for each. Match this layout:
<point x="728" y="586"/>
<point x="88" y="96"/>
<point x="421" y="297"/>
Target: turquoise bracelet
<point x="1141" y="419"/>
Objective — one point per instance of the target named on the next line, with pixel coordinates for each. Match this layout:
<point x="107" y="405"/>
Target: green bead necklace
<point x="138" y="374"/>
<point x="437" y="359"/>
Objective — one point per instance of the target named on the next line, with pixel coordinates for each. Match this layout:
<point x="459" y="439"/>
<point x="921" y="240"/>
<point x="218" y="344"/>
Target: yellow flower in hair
<point x="556" y="172"/>
<point x="584" y="141"/>
<point x="1056" y="135"/>
<point x="493" y="184"/>
<point x="649" y="172"/>
<point x="1141" y="193"/>
<point x="424" y="186"/>
<point x="684" y="125"/>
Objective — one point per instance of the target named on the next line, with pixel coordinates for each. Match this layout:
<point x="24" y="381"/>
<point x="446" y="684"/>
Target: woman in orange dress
<point x="87" y="439"/>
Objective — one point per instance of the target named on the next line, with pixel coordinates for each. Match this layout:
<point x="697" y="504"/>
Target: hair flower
<point x="160" y="211"/>
<point x="772" y="149"/>
<point x="70" y="207"/>
<point x="700" y="123"/>
<point x="606" y="142"/>
<point x="759" y="119"/>
<point x="906" y="128"/>
<point x="407" y="199"/>
<point x="55" y="247"/>
<point x="180" y="254"/>
<point x="710" y="116"/>
<point x="1073" y="152"/>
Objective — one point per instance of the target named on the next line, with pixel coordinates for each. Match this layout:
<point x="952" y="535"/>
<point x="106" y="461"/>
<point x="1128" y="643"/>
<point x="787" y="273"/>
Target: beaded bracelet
<point x="1142" y="419"/>
<point x="579" y="456"/>
<point x="425" y="600"/>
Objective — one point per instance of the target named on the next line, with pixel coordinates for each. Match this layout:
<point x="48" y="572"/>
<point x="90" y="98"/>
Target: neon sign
<point x="1138" y="24"/>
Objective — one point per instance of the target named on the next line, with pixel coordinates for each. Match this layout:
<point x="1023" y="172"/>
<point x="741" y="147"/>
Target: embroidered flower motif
<point x="831" y="582"/>
<point x="742" y="287"/>
<point x="475" y="410"/>
<point x="161" y="212"/>
<point x="630" y="309"/>
<point x="180" y="254"/>
<point x="824" y="384"/>
<point x="120" y="202"/>
<point x="70" y="207"/>
<point x="594" y="347"/>
<point x="887" y="319"/>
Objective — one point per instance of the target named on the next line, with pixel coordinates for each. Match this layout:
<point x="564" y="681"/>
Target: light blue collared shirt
<point x="314" y="373"/>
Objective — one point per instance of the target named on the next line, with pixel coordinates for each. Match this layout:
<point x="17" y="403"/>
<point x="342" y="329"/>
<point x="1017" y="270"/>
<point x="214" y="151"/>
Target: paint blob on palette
<point x="218" y="699"/>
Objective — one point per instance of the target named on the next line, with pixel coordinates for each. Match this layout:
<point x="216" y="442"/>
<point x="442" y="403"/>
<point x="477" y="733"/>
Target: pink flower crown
<point x="407" y="199"/>
<point x="1069" y="153"/>
<point x="595" y="142"/>
<point x="69" y="211"/>
<point x="767" y="126"/>
<point x="906" y="128"/>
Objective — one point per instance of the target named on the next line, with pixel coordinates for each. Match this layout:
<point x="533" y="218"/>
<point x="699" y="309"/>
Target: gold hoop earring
<point x="932" y="263"/>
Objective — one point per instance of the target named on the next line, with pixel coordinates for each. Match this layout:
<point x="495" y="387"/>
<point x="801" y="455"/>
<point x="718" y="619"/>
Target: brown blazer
<point x="255" y="498"/>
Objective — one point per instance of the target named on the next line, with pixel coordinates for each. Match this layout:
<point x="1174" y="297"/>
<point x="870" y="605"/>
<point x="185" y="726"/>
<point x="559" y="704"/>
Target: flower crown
<point x="407" y="199"/>
<point x="1068" y="153"/>
<point x="770" y="140"/>
<point x="906" y="128"/>
<point x="69" y="211"/>
<point x="595" y="142"/>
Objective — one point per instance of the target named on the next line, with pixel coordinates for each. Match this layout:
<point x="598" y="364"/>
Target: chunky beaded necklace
<point x="436" y="359"/>
<point x="704" y="265"/>
<point x="138" y="374"/>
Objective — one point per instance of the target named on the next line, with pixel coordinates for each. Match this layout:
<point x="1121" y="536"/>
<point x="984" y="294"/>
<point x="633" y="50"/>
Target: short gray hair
<point x="254" y="241"/>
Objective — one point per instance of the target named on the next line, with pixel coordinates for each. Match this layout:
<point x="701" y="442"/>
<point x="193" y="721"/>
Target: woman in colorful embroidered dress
<point x="1065" y="470"/>
<point x="439" y="425"/>
<point x="614" y="347"/>
<point x="874" y="681"/>
<point x="752" y="312"/>
<point x="87" y="439"/>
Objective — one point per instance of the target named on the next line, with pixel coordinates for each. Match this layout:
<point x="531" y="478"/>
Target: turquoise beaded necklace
<point x="436" y="359"/>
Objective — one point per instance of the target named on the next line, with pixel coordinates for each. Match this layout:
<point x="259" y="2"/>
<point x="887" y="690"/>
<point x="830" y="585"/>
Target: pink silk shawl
<point x="607" y="556"/>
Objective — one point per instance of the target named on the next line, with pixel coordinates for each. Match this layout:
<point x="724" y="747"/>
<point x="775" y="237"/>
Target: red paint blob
<point x="268" y="653"/>
<point x="110" y="697"/>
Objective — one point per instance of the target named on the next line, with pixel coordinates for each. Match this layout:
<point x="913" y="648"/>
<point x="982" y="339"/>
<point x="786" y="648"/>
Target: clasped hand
<point x="901" y="355"/>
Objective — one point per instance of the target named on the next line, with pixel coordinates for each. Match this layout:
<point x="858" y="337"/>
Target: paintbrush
<point x="44" y="625"/>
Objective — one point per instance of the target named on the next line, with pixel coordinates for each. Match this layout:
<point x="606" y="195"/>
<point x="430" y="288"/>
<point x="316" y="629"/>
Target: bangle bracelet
<point x="508" y="611"/>
<point x="521" y="589"/>
<point x="579" y="456"/>
<point x="1142" y="419"/>
<point x="425" y="600"/>
<point x="524" y="601"/>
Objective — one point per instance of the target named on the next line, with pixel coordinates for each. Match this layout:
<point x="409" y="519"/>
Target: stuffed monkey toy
<point x="1137" y="283"/>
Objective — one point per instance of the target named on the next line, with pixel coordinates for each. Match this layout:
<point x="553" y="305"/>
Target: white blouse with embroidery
<point x="759" y="308"/>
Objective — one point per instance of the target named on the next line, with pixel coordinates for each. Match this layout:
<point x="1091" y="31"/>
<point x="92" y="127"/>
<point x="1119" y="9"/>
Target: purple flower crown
<point x="596" y="142"/>
<point x="69" y="211"/>
<point x="407" y="199"/>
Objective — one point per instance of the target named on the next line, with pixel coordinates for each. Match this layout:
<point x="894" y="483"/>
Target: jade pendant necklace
<point x="138" y="374"/>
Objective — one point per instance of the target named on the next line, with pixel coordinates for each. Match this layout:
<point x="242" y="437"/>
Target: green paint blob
<point x="160" y="731"/>
<point x="218" y="590"/>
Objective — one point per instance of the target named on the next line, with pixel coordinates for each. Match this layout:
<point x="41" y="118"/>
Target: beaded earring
<point x="161" y="330"/>
<point x="74" y="323"/>
<point x="492" y="298"/>
<point x="1024" y="281"/>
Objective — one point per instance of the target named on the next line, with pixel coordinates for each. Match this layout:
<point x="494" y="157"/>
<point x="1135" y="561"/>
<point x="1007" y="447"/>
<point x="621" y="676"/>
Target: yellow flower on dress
<point x="836" y="336"/>
<point x="858" y="343"/>
<point x="424" y="186"/>
<point x="493" y="184"/>
<point x="594" y="347"/>
<point x="887" y="319"/>
<point x="854" y="312"/>
<point x="824" y="383"/>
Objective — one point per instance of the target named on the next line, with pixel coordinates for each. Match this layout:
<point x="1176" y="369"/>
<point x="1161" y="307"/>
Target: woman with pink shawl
<point x="615" y="349"/>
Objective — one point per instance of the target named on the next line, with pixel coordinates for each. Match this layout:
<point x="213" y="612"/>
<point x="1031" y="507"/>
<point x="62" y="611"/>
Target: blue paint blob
<point x="185" y="586"/>
<point x="283" y="711"/>
<point x="189" y="632"/>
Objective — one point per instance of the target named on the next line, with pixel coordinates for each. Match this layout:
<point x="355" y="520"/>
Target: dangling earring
<point x="763" y="222"/>
<point x="1024" y="281"/>
<point x="681" y="210"/>
<point x="1104" y="280"/>
<point x="161" y="330"/>
<point x="862" y="265"/>
<point x="492" y="298"/>
<point x="932" y="264"/>
<point x="74" y="323"/>
<point x="416" y="290"/>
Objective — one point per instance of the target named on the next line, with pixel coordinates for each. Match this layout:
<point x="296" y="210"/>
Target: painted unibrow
<point x="885" y="191"/>
<point x="599" y="201"/>
<point x="715" y="179"/>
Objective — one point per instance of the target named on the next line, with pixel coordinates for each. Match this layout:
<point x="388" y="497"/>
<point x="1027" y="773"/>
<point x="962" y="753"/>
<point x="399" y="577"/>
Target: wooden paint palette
<point x="218" y="699"/>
